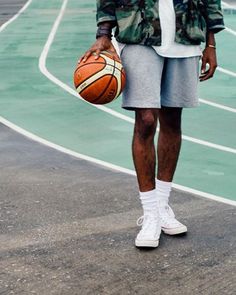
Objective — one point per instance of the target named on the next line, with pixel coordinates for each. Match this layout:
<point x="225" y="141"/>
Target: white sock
<point x="149" y="202"/>
<point x="163" y="189"/>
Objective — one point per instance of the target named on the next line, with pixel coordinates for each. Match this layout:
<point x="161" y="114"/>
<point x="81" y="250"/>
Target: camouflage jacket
<point x="138" y="22"/>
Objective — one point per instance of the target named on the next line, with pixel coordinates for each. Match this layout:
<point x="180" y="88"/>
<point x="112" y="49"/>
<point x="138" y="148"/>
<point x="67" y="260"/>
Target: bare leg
<point x="144" y="154"/>
<point x="169" y="142"/>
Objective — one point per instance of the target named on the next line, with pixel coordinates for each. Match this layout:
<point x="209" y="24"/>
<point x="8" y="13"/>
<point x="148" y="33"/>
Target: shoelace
<point x="167" y="211"/>
<point x="140" y="221"/>
<point x="168" y="216"/>
<point x="148" y="222"/>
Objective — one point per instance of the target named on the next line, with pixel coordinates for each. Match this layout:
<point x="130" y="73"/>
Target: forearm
<point x="210" y="39"/>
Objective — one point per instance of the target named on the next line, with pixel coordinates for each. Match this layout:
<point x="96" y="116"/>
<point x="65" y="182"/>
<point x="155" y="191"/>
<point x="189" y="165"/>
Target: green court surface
<point x="32" y="101"/>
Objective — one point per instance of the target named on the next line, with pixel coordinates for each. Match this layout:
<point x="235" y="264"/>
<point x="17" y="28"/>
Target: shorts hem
<point x="131" y="108"/>
<point x="193" y="105"/>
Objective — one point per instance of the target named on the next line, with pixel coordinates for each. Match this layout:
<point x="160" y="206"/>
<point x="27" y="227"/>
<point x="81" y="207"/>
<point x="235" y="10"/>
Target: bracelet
<point x="211" y="46"/>
<point x="103" y="31"/>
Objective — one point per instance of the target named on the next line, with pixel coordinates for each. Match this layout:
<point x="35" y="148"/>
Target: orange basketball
<point x="99" y="81"/>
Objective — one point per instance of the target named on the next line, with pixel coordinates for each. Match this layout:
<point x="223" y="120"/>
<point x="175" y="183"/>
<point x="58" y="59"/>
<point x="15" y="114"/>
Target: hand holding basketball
<point x="99" y="80"/>
<point x="102" y="44"/>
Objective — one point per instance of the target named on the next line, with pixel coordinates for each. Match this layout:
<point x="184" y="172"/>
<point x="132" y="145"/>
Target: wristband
<point x="104" y="31"/>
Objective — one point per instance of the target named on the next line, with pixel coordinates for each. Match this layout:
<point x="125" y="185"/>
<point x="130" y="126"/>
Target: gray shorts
<point x="154" y="81"/>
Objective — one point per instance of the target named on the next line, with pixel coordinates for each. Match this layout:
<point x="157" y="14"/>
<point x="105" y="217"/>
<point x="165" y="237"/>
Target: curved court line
<point x="45" y="72"/>
<point x="50" y="76"/>
<point x="227" y="72"/>
<point x="230" y="31"/>
<point x="3" y="26"/>
<point x="103" y="163"/>
<point x="107" y="164"/>
<point x="226" y="5"/>
<point x="216" y="105"/>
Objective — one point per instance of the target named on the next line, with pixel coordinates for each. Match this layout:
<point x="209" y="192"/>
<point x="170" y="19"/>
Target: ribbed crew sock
<point x="163" y="189"/>
<point x="149" y="202"/>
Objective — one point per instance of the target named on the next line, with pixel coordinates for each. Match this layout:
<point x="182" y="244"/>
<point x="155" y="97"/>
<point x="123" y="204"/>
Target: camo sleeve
<point x="215" y="21"/>
<point x="106" y="11"/>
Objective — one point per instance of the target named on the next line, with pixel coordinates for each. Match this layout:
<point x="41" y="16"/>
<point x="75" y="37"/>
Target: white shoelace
<point x="167" y="211"/>
<point x="167" y="216"/>
<point x="148" y="223"/>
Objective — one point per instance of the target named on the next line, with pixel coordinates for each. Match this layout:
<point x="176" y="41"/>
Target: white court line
<point x="226" y="5"/>
<point x="50" y="76"/>
<point x="3" y="26"/>
<point x="230" y="31"/>
<point x="94" y="160"/>
<point x="220" y="69"/>
<point x="107" y="164"/>
<point x="228" y="72"/>
<point x="213" y="104"/>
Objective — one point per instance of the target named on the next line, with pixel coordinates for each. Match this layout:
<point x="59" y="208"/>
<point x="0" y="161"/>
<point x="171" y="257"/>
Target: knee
<point x="146" y="123"/>
<point x="170" y="121"/>
<point x="173" y="128"/>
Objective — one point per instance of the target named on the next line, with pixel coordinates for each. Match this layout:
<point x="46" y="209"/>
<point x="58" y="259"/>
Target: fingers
<point x="97" y="52"/>
<point x="203" y="67"/>
<point x="86" y="56"/>
<point x="114" y="53"/>
<point x="209" y="58"/>
<point x="100" y="45"/>
<point x="207" y="74"/>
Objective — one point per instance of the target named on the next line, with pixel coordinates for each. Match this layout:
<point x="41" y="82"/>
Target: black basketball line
<point x="96" y="81"/>
<point x="95" y="62"/>
<point x="112" y="75"/>
<point x="107" y="64"/>
<point x="76" y="86"/>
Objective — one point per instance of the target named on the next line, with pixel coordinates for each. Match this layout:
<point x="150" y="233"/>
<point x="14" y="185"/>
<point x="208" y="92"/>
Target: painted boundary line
<point x="107" y="164"/>
<point x="96" y="161"/>
<point x="227" y="72"/>
<point x="230" y="31"/>
<point x="50" y="76"/>
<point x="3" y="26"/>
<point x="226" y="5"/>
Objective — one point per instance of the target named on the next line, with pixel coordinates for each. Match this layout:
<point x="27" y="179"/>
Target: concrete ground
<point x="68" y="227"/>
<point x="8" y="8"/>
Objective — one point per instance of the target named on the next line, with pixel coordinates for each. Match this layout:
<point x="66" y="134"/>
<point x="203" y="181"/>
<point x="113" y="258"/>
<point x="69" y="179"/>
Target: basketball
<point x="100" y="81"/>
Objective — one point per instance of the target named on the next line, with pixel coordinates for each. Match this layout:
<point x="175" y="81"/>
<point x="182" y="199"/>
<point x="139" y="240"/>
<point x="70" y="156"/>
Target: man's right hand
<point x="102" y="43"/>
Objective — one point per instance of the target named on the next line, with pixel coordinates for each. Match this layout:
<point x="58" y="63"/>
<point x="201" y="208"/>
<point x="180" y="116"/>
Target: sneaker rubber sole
<point x="175" y="231"/>
<point x="147" y="243"/>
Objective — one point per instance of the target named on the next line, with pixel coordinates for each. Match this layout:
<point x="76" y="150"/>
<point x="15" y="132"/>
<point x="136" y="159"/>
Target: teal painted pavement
<point x="33" y="102"/>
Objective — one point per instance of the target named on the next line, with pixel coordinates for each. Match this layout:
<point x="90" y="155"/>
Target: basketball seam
<point x="76" y="86"/>
<point x="107" y="64"/>
<point x="94" y="82"/>
<point x="112" y="75"/>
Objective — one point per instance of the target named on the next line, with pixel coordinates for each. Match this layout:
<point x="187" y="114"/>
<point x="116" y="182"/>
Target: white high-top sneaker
<point x="150" y="233"/>
<point x="169" y="224"/>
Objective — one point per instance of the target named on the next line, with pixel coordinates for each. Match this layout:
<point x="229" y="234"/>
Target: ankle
<point x="163" y="189"/>
<point x="149" y="202"/>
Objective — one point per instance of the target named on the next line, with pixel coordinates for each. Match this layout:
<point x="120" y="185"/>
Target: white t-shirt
<point x="170" y="48"/>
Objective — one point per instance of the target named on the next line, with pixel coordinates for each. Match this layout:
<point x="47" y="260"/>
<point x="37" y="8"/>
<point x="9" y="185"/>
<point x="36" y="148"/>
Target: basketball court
<point x="66" y="225"/>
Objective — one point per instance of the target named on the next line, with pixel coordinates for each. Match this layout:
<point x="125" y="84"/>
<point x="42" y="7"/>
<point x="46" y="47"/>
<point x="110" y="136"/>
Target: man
<point x="159" y="48"/>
